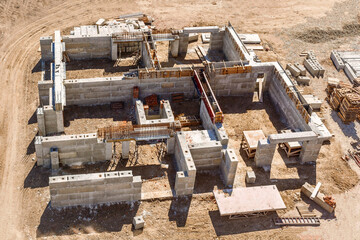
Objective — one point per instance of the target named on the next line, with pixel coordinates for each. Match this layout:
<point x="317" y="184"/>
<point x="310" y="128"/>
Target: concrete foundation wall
<point x="73" y="149"/>
<point x="207" y="154"/>
<point x="186" y="170"/>
<point x="217" y="40"/>
<point x="43" y="88"/>
<point x="45" y="45"/>
<point x="105" y="90"/>
<point x="229" y="49"/>
<point x="286" y="107"/>
<point x="80" y="48"/>
<point x="145" y="58"/>
<point x="94" y="188"/>
<point x="50" y="121"/>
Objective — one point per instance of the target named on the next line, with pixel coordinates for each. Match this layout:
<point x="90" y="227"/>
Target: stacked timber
<point x="350" y="107"/>
<point x="346" y="100"/>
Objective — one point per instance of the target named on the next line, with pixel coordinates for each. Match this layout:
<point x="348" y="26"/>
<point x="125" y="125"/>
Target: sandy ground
<point x="287" y="28"/>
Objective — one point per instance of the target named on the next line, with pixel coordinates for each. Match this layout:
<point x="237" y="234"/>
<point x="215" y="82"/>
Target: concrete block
<point x="303" y="80"/>
<point x="301" y="68"/>
<point x="250" y="177"/>
<point x="307" y="189"/>
<point x="294" y="70"/>
<point x="138" y="222"/>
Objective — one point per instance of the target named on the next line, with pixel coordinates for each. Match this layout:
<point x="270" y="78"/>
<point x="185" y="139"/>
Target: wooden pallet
<point x="297" y="221"/>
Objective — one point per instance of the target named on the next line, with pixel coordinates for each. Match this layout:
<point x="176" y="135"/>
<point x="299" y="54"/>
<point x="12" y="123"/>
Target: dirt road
<point x="23" y="199"/>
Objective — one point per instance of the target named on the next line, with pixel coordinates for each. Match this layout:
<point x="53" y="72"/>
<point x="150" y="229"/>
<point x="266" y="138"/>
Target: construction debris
<point x="304" y="211"/>
<point x="354" y="156"/>
<point x="307" y="189"/>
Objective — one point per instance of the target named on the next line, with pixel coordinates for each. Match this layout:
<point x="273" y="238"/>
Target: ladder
<point x="299" y="221"/>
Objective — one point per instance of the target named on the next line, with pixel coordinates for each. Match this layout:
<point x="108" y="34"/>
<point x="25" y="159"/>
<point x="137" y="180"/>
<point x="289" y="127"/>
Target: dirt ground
<point x="286" y="28"/>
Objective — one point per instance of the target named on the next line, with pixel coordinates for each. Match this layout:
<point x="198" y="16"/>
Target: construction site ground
<point x="286" y="29"/>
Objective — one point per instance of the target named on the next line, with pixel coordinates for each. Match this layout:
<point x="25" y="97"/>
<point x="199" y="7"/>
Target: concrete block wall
<point x="186" y="173"/>
<point x="217" y="40"/>
<point x="94" y="188"/>
<point x="205" y="118"/>
<point x="240" y="83"/>
<point x="81" y="48"/>
<point x="229" y="49"/>
<point x="145" y="57"/>
<point x="285" y="106"/>
<point x="310" y="150"/>
<point x="49" y="120"/>
<point x="43" y="88"/>
<point x="45" y="46"/>
<point x="206" y="154"/>
<point x="73" y="149"/>
<point x="95" y="91"/>
<point x="264" y="153"/>
<point x="228" y="166"/>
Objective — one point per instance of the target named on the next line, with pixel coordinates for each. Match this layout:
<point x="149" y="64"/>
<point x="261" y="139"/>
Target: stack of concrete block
<point x="228" y="166"/>
<point x="185" y="176"/>
<point x="313" y="66"/>
<point x="73" y="149"/>
<point x="301" y="69"/>
<point x="350" y="73"/>
<point x="264" y="153"/>
<point x="303" y="80"/>
<point x="293" y="69"/>
<point x="94" y="188"/>
<point x="206" y="154"/>
<point x="337" y="60"/>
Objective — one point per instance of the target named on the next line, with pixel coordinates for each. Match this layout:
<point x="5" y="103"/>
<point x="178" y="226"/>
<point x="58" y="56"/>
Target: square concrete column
<point x="114" y="51"/>
<point x="39" y="151"/>
<point x="60" y="121"/>
<point x="54" y="156"/>
<point x="183" y="43"/>
<point x="41" y="121"/>
<point x="264" y="153"/>
<point x="170" y="145"/>
<point x="310" y="150"/>
<point x="125" y="149"/>
<point x="174" y="47"/>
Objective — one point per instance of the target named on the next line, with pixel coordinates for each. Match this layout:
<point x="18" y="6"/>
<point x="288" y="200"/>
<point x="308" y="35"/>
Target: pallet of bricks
<point x="346" y="100"/>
